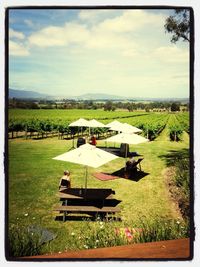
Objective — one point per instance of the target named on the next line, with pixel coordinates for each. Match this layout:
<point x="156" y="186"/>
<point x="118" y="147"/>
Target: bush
<point x="162" y="229"/>
<point x="108" y="234"/>
<point x="182" y="181"/>
<point x="28" y="240"/>
<point x="23" y="242"/>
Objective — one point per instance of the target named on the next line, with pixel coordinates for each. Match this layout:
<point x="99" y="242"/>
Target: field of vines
<point x="48" y="123"/>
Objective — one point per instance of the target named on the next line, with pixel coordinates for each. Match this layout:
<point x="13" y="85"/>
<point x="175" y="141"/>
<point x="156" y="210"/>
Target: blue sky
<point x="73" y="52"/>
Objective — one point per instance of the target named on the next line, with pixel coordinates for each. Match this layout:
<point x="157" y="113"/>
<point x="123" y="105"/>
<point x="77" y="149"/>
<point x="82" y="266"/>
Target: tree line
<point x="105" y="105"/>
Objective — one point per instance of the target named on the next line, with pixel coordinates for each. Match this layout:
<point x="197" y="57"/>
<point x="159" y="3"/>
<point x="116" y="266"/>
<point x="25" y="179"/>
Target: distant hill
<point x="98" y="96"/>
<point x="22" y="94"/>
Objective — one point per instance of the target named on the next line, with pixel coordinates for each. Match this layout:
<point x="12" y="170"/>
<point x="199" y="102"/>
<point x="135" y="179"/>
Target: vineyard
<point x="49" y="123"/>
<point x="158" y="195"/>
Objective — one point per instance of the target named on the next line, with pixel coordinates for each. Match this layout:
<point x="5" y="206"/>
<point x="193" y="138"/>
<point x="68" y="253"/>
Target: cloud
<point x="16" y="34"/>
<point x="96" y="15"/>
<point x="130" y="53"/>
<point x="130" y="21"/>
<point x="59" y="36"/>
<point x="113" y="32"/>
<point x="17" y="49"/>
<point x="172" y="54"/>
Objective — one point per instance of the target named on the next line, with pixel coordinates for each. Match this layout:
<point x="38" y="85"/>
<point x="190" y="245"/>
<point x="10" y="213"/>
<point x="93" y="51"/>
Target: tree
<point x="179" y="25"/>
<point x="109" y="106"/>
<point x="175" y="106"/>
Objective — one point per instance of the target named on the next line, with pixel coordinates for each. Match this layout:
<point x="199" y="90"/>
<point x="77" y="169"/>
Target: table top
<point x="89" y="193"/>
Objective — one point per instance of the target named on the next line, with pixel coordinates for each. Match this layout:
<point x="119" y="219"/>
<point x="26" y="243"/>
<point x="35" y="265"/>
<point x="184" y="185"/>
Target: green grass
<point x="34" y="177"/>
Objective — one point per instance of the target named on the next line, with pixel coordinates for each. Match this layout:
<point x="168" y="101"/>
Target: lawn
<point x="33" y="184"/>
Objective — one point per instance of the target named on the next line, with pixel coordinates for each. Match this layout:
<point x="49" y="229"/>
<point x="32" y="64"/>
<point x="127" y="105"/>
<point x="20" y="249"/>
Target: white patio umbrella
<point x="125" y="128"/>
<point x="96" y="124"/>
<point x="126" y="138"/>
<point x="87" y="155"/>
<point x="131" y="139"/>
<point x="132" y="128"/>
<point x="114" y="123"/>
<point x="79" y="123"/>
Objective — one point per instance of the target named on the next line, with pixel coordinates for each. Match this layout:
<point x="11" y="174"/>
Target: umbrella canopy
<point x="87" y="155"/>
<point x="125" y="128"/>
<point x="127" y="139"/>
<point x="114" y="123"/>
<point x="96" y="124"/>
<point x="132" y="128"/>
<point x="80" y="123"/>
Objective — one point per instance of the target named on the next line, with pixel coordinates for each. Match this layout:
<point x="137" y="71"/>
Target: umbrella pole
<point x="86" y="176"/>
<point x="126" y="152"/>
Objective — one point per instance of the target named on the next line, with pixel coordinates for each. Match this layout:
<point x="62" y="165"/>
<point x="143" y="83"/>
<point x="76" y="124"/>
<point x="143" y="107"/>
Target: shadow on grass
<point x="134" y="176"/>
<point x="94" y="202"/>
<point x="74" y="218"/>
<point x="173" y="156"/>
<point x="85" y="218"/>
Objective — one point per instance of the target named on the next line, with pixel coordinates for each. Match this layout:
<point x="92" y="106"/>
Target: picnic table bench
<point x="90" y="200"/>
<point x="86" y="209"/>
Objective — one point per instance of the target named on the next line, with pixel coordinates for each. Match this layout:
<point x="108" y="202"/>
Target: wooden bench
<point x="86" y="209"/>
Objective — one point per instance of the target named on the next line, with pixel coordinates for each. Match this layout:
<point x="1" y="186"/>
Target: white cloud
<point x="16" y="34"/>
<point x="49" y="36"/>
<point x="172" y="54"/>
<point x="130" y="53"/>
<point x="113" y="32"/>
<point x="130" y="21"/>
<point x="95" y="15"/>
<point x="59" y="36"/>
<point x="17" y="49"/>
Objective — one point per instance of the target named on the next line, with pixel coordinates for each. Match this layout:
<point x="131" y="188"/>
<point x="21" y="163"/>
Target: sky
<point x="70" y="52"/>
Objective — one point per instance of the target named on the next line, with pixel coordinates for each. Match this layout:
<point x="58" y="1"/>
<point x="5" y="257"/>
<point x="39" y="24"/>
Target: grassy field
<point x="34" y="177"/>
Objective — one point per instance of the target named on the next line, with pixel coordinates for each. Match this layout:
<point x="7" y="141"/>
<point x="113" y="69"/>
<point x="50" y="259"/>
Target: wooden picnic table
<point x="90" y="200"/>
<point x="89" y="193"/>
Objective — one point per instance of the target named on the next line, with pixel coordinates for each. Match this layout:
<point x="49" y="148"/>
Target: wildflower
<point x="178" y="222"/>
<point x="101" y="226"/>
<point x="85" y="246"/>
<point x="26" y="214"/>
<point x="72" y="233"/>
<point x="97" y="241"/>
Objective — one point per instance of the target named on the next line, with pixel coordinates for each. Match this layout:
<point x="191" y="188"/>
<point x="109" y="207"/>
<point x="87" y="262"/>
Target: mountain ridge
<point x="32" y="95"/>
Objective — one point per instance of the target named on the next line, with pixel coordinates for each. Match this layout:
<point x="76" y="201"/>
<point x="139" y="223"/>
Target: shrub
<point x="162" y="229"/>
<point x="23" y="242"/>
<point x="182" y="181"/>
